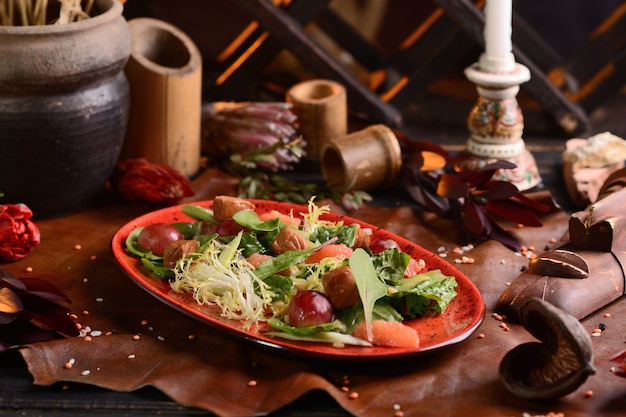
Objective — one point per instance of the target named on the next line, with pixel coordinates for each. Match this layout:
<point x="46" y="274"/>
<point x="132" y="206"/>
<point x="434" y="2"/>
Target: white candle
<point x="498" y="28"/>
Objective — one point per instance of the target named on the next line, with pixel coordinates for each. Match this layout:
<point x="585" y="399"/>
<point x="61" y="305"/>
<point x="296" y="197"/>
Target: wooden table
<point x="19" y="397"/>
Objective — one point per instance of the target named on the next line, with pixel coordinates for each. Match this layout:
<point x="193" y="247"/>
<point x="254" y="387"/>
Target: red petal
<point x="514" y="212"/>
<point x="474" y="218"/>
<point x="451" y="187"/>
<point x="496" y="190"/>
<point x="45" y="289"/>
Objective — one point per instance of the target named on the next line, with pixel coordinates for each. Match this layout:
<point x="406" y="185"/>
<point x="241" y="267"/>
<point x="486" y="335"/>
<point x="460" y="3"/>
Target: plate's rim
<point x="279" y="345"/>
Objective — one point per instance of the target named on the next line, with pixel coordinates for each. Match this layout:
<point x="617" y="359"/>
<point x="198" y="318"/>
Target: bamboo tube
<point x="165" y="76"/>
<point x="321" y="108"/>
<point x="363" y="160"/>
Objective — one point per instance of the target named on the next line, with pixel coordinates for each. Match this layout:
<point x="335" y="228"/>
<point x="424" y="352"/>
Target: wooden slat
<point x="293" y="37"/>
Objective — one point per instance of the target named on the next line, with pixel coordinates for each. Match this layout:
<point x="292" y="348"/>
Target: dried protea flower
<point x="250" y="135"/>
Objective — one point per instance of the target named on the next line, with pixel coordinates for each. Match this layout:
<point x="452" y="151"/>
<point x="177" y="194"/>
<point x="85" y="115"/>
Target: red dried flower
<point x="18" y="234"/>
<point x="140" y="180"/>
<point x="469" y="196"/>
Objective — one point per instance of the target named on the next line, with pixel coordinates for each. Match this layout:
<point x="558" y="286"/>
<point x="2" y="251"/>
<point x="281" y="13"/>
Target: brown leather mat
<point x="212" y="371"/>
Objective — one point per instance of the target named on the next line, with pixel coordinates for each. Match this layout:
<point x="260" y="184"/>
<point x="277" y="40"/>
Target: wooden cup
<point x="363" y="160"/>
<point x="165" y="76"/>
<point x="322" y="111"/>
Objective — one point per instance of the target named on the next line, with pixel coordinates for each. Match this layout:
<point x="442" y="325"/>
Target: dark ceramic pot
<point x="64" y="101"/>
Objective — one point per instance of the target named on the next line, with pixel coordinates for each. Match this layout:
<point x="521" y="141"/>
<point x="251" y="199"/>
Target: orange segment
<point x="339" y="251"/>
<point x="389" y="333"/>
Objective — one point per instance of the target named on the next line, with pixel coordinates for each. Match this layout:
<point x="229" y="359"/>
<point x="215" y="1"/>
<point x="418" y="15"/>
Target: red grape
<point x="229" y="227"/>
<point x="382" y="245"/>
<point x="155" y="237"/>
<point x="309" y="308"/>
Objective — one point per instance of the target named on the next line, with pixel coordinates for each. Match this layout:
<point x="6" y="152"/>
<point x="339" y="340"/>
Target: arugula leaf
<point x="161" y="271"/>
<point x="199" y="213"/>
<point x="250" y="219"/>
<point x="278" y="263"/>
<point x="383" y="310"/>
<point x="278" y="324"/>
<point x="370" y="287"/>
<point x="336" y="338"/>
<point x="188" y="229"/>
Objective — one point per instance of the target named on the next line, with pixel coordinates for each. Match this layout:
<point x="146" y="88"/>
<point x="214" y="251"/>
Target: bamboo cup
<point x="363" y="160"/>
<point x="165" y="76"/>
<point x="322" y="111"/>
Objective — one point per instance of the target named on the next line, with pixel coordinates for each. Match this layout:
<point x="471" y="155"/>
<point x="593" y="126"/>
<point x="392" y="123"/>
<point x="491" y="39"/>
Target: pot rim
<point x="112" y="9"/>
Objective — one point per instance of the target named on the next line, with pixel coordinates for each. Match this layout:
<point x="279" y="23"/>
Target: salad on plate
<point x="295" y="276"/>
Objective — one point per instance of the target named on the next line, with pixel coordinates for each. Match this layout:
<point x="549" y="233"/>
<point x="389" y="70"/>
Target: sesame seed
<point x="594" y="334"/>
<point x="252" y="383"/>
<point x="345" y="389"/>
<point x="88" y="339"/>
<point x="480" y="336"/>
<point x="191" y="337"/>
<point x="396" y="407"/>
<point x="28" y="269"/>
<point x="85" y="312"/>
<point x="136" y="337"/>
<point x="99" y="299"/>
<point x="96" y="333"/>
<point x="85" y="280"/>
<point x="353" y="395"/>
<point x="161" y="338"/>
<point x="607" y="315"/>
<point x="131" y="356"/>
<point x="85" y="372"/>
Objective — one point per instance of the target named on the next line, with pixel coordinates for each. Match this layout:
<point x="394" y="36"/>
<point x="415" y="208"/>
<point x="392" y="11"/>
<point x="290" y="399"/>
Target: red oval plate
<point x="463" y="315"/>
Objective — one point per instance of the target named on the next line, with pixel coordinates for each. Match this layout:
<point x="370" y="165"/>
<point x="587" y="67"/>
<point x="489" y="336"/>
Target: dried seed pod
<point x="559" y="263"/>
<point x="557" y="365"/>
